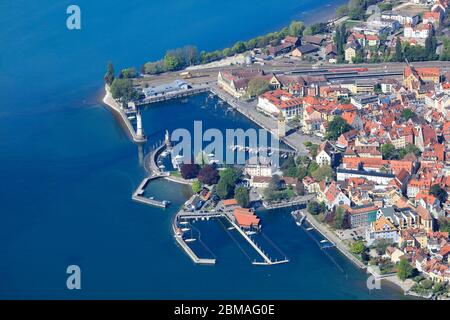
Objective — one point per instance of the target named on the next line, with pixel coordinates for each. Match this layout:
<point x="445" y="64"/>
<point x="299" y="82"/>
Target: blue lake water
<point x="67" y="169"/>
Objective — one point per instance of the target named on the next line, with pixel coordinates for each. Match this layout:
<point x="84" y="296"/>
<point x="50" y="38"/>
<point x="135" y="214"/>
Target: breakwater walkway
<point x="138" y="194"/>
<point x="114" y="105"/>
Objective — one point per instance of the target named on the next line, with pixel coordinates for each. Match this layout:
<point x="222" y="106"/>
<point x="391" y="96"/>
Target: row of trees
<point x="416" y="53"/>
<point x="180" y="58"/>
<point x="208" y="174"/>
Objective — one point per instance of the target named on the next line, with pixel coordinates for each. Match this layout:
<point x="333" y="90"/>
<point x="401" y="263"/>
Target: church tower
<point x="281" y="126"/>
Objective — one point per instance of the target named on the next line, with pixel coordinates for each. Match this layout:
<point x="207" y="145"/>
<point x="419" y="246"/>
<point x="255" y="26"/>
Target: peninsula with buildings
<point x="361" y="104"/>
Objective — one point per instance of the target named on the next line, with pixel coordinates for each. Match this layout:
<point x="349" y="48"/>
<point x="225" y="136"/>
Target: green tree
<point x="316" y="208"/>
<point x="154" y="67"/>
<point x="109" y="76"/>
<point x="123" y="90"/>
<point x="242" y="196"/>
<point x="257" y="87"/>
<point x="439" y="193"/>
<point x="301" y="172"/>
<point x="196" y="186"/>
<point x="336" y="127"/>
<point x="409" y="148"/>
<point x="398" y="51"/>
<point x="389" y="152"/>
<point x="313" y="166"/>
<point x="408" y="114"/>
<point x="444" y="224"/>
<point x="356" y="9"/>
<point x="239" y="47"/>
<point x="171" y="62"/>
<point x="381" y="246"/>
<point x="296" y="28"/>
<point x="228" y="178"/>
<point x="128" y="73"/>
<point x="404" y="269"/>
<point x="357" y="247"/>
<point x="322" y="173"/>
<point x="339" y="218"/>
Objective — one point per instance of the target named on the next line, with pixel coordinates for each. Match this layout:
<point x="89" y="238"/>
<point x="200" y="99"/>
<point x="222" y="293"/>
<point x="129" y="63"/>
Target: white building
<point x="377" y="177"/>
<point x="421" y="31"/>
<point x="403" y="18"/>
<point x="258" y="167"/>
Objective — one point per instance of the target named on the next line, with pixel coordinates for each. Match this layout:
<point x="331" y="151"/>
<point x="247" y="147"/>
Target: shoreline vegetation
<point x="355" y="11"/>
<point x="189" y="55"/>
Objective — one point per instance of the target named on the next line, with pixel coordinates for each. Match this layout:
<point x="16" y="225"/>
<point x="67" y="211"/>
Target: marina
<point x="180" y="221"/>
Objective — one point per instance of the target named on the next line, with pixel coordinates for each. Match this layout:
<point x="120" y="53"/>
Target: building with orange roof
<point x="229" y="203"/>
<point x="353" y="120"/>
<point x="246" y="218"/>
<point x="382" y="228"/>
<point x="280" y="101"/>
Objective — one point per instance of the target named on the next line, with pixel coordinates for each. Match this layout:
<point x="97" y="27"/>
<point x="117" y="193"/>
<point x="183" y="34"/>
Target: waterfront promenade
<point x="330" y="236"/>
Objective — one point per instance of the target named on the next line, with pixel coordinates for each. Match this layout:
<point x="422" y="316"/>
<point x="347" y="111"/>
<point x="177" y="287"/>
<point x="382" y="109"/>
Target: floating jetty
<point x="138" y="194"/>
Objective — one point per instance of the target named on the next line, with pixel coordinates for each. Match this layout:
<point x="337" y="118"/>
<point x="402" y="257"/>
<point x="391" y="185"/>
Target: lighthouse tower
<point x="167" y="140"/>
<point x="139" y="133"/>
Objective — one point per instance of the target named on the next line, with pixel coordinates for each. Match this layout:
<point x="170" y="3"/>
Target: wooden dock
<point x="267" y="260"/>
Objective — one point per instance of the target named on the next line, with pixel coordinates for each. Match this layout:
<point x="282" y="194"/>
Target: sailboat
<point x="191" y="239"/>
